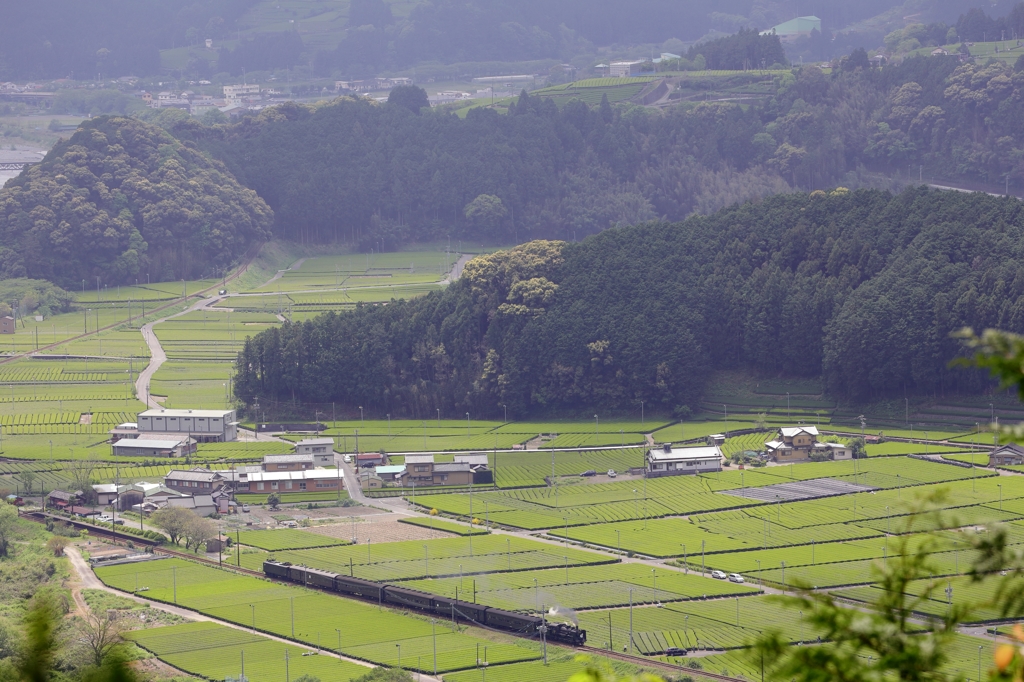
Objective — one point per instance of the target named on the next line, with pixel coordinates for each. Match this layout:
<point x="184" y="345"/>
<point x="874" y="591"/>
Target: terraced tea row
<point x="441" y="557"/>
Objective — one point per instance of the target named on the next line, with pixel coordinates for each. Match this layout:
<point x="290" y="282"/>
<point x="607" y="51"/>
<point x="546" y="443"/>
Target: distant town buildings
<point x="235" y="94"/>
<point x="371" y="84"/>
<point x="622" y="69"/>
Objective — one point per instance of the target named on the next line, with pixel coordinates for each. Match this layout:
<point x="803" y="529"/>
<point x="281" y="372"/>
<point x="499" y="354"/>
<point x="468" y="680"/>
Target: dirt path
<point x="280" y="273"/>
<point x="88" y="580"/>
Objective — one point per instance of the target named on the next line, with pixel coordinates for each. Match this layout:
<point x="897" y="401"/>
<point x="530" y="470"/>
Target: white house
<point x="322" y="449"/>
<point x="666" y="461"/>
<point x="312" y="480"/>
<point x="235" y="93"/>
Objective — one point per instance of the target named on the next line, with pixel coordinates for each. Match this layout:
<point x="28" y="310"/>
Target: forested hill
<point x="861" y="287"/>
<point x="124" y="201"/>
<point x="397" y="176"/>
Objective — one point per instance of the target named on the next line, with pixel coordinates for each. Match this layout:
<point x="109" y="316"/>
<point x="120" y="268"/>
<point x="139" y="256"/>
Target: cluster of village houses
<point x="314" y="466"/>
<point x="238" y="100"/>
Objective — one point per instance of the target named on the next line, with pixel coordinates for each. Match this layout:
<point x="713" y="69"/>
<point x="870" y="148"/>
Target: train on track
<point x="517" y="623"/>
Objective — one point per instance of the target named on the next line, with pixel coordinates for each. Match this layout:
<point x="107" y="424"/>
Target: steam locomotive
<point x="516" y="623"/>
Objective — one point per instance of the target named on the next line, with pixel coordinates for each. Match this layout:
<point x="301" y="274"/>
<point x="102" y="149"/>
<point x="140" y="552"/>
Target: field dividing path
<point x="113" y="325"/>
<point x="88" y="580"/>
<point x="280" y="273"/>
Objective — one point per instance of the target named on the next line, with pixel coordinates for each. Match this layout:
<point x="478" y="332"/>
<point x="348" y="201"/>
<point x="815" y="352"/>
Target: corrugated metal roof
<point x="682" y="454"/>
<point x="178" y="475"/>
<point x="162" y="412"/>
<point x="191" y="502"/>
<point x="790" y="431"/>
<point x="451" y="467"/>
<point x="136" y="444"/>
<point x="419" y="459"/>
<point x="285" y="459"/>
<point x="305" y="475"/>
<point x="154" y="435"/>
<point x="472" y="459"/>
<point x="390" y="469"/>
<point x="316" y="441"/>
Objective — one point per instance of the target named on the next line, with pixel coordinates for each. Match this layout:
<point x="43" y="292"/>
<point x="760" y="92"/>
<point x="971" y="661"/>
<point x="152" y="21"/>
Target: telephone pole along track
<point x="109" y="534"/>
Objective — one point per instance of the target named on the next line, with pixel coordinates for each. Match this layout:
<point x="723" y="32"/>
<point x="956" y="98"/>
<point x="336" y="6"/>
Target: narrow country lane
<point x="88" y="580"/>
<point x="157" y="356"/>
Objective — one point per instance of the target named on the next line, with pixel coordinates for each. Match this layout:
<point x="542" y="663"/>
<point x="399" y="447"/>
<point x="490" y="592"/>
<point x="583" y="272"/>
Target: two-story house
<point x="798" y="443"/>
<point x="287" y="462"/>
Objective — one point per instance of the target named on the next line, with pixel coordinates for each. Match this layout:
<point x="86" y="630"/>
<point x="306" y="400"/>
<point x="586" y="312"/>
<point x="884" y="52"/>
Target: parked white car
<point x="611" y="473"/>
<point x="347" y="459"/>
<point x="718" y="574"/>
<point x="735" y="578"/>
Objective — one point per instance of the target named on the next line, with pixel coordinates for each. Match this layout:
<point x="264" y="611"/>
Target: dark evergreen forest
<point x="352" y="171"/>
<point x="863" y="288"/>
<point x="383" y="175"/>
<point x="123" y="201"/>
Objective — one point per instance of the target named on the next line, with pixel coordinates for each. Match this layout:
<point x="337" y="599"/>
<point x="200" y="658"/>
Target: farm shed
<point x="200" y="504"/>
<point x="139" y="494"/>
<point x="390" y="472"/>
<point x="1006" y="455"/>
<point x="147" y="446"/>
<point x="106" y="493"/>
<point x="370" y="459"/>
<point x="479" y="466"/>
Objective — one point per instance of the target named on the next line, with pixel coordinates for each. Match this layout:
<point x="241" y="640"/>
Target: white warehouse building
<point x="206" y="426"/>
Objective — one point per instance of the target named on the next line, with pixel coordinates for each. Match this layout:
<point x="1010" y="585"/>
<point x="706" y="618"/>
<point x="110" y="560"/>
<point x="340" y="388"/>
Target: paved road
<point x="457" y="269"/>
<point x="157" y="356"/>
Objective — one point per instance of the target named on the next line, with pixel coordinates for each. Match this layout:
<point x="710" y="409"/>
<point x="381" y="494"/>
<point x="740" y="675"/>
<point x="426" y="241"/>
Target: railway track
<point x="661" y="665"/>
<point x="110" y="535"/>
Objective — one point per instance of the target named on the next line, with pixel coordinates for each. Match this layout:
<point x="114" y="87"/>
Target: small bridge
<point x="15" y="165"/>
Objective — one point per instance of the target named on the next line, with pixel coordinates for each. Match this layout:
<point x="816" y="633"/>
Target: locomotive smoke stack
<point x="564" y="612"/>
